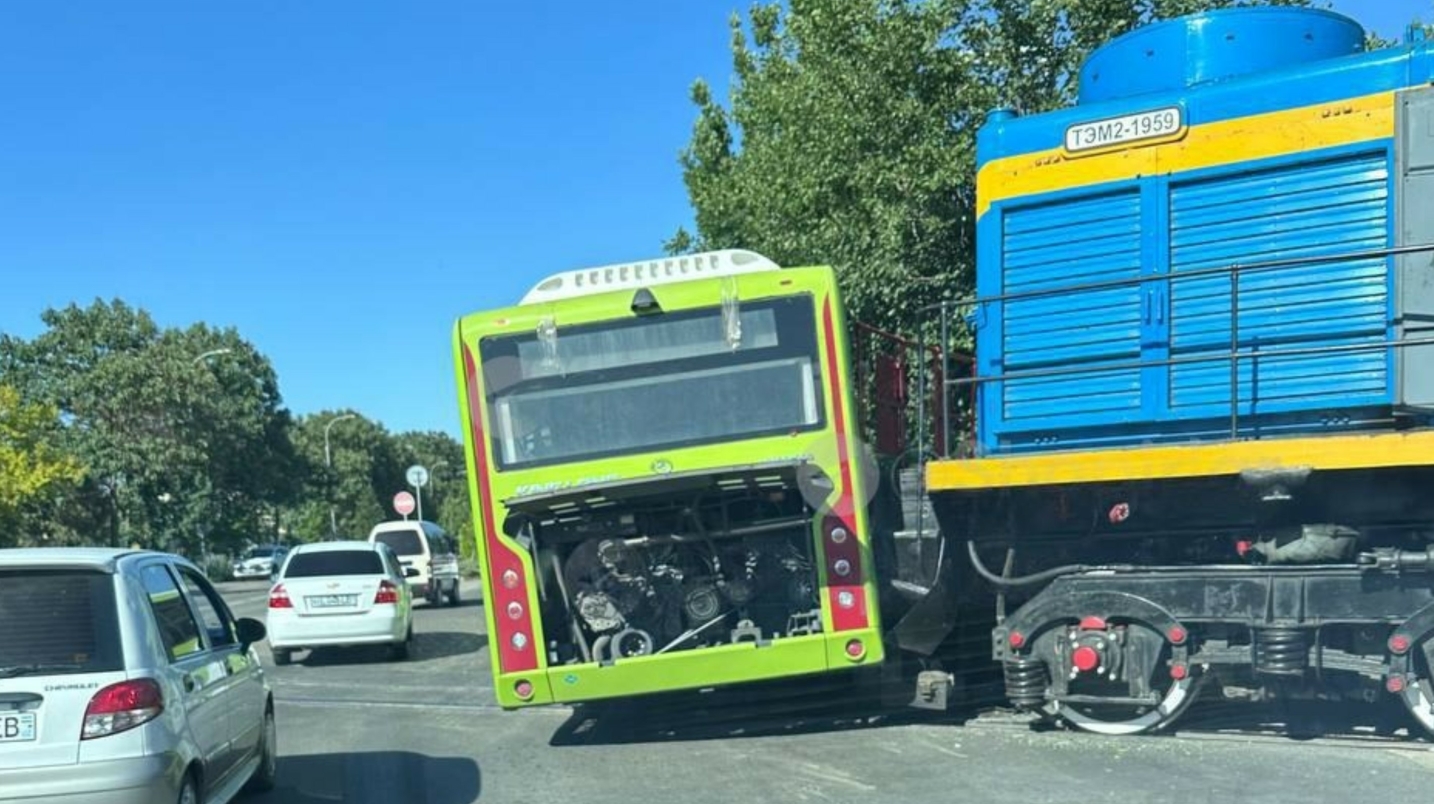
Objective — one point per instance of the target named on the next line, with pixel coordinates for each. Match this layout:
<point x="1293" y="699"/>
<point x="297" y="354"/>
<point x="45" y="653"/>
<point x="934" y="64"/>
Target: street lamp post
<point x="329" y="464"/>
<point x="433" y="476"/>
<point x="203" y="356"/>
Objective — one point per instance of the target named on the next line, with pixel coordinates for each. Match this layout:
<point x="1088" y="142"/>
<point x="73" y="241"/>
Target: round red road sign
<point x="403" y="503"/>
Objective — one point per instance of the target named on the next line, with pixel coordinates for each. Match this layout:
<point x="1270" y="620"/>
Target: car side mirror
<point x="411" y="572"/>
<point x="249" y="631"/>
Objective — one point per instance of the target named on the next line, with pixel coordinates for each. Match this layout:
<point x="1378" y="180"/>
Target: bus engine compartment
<point x="653" y="567"/>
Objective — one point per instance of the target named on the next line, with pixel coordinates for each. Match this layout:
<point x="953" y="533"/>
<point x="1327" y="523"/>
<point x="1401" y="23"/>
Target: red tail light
<point x="120" y="707"/>
<point x="515" y="634"/>
<point x="279" y="598"/>
<point x="387" y="593"/>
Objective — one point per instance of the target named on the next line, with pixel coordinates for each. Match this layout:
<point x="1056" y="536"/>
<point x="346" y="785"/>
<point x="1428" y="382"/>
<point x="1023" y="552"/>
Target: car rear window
<point x="64" y="618"/>
<point x="403" y="542"/>
<point x="334" y="562"/>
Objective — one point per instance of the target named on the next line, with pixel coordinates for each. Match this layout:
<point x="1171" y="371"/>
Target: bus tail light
<point x="509" y="587"/>
<point x="846" y="584"/>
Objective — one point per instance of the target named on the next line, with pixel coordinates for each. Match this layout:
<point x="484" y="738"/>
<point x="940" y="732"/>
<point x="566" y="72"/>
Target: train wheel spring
<point x="1026" y="682"/>
<point x="1281" y="651"/>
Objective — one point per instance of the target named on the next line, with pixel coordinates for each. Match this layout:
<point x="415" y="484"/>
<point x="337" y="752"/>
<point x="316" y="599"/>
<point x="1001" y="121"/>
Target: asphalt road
<point x="354" y="727"/>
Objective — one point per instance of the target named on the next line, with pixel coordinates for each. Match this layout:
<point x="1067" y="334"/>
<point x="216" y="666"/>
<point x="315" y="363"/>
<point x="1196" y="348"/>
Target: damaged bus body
<point x="663" y="461"/>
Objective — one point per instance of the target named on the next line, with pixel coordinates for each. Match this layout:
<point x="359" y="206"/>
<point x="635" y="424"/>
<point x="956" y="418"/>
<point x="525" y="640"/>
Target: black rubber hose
<point x="1021" y="580"/>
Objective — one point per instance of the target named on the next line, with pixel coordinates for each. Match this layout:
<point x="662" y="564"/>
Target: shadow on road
<point x="471" y="599"/>
<point x="426" y="647"/>
<point x="756" y="710"/>
<point x="829" y="705"/>
<point x="443" y="644"/>
<point x="375" y="777"/>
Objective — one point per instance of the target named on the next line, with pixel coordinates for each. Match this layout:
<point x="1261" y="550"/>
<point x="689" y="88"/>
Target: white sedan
<point x="340" y="593"/>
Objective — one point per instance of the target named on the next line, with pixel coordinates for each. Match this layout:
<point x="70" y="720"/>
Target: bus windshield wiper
<point x="31" y="669"/>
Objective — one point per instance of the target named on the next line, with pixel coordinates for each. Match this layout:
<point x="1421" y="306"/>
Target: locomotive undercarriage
<point x="1284" y="585"/>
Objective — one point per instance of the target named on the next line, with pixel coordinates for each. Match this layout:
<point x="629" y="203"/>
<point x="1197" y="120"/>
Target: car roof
<point x="333" y="547"/>
<point x="102" y="558"/>
<point x="400" y="524"/>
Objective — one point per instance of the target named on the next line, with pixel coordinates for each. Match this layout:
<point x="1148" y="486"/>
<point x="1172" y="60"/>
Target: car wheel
<point x="453" y="597"/>
<point x="268" y="771"/>
<point x="283" y="657"/>
<point x="400" y="651"/>
<point x="188" y="791"/>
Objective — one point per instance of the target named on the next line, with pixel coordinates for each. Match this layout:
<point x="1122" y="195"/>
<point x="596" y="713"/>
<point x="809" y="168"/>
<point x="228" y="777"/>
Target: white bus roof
<point x="647" y="273"/>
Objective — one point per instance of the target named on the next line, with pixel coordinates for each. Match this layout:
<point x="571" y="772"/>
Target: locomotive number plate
<point x="1156" y="124"/>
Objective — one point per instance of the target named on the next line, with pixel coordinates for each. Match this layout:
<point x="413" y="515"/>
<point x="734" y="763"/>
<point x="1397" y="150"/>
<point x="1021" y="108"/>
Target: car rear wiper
<point x="32" y="669"/>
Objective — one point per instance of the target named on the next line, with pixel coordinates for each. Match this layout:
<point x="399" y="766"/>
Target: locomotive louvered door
<point x="1331" y="207"/>
<point x="1059" y="245"/>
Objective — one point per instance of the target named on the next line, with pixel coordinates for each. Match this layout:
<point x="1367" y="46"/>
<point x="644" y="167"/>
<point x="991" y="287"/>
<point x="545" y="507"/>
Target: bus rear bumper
<point x="693" y="669"/>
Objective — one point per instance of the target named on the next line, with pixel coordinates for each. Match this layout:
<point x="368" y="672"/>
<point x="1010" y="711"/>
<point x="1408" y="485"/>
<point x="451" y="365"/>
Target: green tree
<point x="182" y="432"/>
<point x="849" y="138"/>
<point x="361" y="456"/>
<point x="32" y="466"/>
<point x="369" y="466"/>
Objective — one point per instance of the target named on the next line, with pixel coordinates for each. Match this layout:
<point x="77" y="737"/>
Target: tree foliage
<point x="849" y="137"/>
<point x="368" y="467"/>
<point x="181" y="432"/>
<point x="114" y="430"/>
<point x="32" y="466"/>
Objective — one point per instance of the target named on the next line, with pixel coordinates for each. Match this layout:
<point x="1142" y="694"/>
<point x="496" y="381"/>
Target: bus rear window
<point x="667" y="380"/>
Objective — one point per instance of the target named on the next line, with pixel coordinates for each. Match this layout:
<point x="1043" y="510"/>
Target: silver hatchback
<point x="125" y="679"/>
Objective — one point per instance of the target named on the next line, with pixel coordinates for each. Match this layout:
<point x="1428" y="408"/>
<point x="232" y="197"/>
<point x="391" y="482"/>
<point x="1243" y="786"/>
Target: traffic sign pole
<point x="418" y="478"/>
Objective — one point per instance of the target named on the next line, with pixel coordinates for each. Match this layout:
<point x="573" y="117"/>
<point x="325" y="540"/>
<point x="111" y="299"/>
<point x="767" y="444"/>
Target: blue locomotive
<point x="1204" y="333"/>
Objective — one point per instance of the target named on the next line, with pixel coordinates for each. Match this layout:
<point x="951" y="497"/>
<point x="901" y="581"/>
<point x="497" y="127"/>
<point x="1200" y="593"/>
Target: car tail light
<point x="120" y="707"/>
<point x="387" y="593"/>
<point x="279" y="598"/>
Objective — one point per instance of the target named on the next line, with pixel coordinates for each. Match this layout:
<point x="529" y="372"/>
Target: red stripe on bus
<point x="500" y="558"/>
<point x="844" y="510"/>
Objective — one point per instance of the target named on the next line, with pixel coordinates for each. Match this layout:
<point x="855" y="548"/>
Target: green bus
<point x="664" y="462"/>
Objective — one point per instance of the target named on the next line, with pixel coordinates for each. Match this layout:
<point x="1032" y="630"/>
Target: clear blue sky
<point x="341" y="180"/>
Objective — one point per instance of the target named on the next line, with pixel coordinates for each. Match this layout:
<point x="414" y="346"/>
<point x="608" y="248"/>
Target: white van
<point x="427" y="548"/>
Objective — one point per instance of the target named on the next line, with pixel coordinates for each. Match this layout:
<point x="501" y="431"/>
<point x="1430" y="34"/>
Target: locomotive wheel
<point x="1418" y="689"/>
<point x="1121" y="717"/>
<point x="1420" y="703"/>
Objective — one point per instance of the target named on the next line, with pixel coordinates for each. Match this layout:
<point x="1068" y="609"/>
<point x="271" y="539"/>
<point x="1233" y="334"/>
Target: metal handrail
<point x="1234" y="355"/>
<point x="1291" y="262"/>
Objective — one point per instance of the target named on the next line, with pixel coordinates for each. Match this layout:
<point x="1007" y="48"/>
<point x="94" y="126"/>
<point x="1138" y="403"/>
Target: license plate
<point x="17" y="727"/>
<point x="332" y="601"/>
